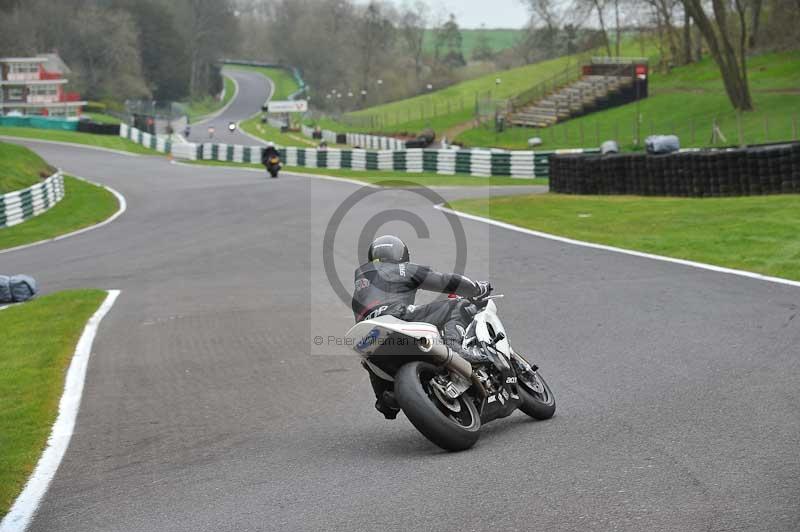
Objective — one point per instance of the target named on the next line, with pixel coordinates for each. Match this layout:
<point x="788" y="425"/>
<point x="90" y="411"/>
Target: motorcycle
<point x="273" y="165"/>
<point x="445" y="397"/>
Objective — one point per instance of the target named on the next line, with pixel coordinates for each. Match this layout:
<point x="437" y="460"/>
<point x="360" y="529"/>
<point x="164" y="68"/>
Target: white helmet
<point x="270" y="144"/>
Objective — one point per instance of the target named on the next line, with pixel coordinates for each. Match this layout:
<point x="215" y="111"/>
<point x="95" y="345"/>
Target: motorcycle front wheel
<point x="538" y="400"/>
<point x="453" y="425"/>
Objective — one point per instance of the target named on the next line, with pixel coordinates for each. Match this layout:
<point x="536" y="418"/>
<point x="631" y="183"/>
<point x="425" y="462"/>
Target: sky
<point x="473" y="13"/>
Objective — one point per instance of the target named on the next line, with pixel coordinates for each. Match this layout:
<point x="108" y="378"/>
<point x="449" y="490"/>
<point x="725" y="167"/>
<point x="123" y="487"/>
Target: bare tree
<point x="413" y="23"/>
<point x="719" y="37"/>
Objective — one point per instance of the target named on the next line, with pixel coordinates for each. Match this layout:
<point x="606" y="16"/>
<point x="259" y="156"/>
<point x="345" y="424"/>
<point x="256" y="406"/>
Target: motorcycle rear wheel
<point x="453" y="426"/>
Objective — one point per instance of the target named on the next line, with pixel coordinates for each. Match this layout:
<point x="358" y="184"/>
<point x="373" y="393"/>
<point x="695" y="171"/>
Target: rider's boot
<point x="472" y="354"/>
<point x="387" y="405"/>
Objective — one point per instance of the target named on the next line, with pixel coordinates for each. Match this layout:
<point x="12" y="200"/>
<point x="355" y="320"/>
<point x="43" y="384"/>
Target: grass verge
<point x="85" y="204"/>
<point x="100" y="141"/>
<point x="383" y="177"/>
<point x="20" y="168"/>
<point x="758" y="234"/>
<point x="201" y="108"/>
<point x="454" y="105"/>
<point x="254" y="127"/>
<point x="39" y="338"/>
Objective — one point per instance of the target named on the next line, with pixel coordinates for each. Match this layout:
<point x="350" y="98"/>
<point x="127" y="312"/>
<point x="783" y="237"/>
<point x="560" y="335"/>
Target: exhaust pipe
<point x="444" y="356"/>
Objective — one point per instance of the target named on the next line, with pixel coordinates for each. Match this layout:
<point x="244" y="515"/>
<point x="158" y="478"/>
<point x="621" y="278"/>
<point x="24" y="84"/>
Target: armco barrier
<point x="16" y="207"/>
<point x="154" y="142"/>
<point x="362" y="141"/>
<point x="483" y="163"/>
<point x="39" y="122"/>
<point x="757" y="170"/>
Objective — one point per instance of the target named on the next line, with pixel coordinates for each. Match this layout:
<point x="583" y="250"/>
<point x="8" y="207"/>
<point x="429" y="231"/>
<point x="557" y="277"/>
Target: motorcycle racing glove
<point x="484" y="289"/>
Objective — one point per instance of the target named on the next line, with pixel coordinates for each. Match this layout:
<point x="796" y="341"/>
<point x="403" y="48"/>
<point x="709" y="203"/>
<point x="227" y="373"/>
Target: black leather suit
<point x="383" y="288"/>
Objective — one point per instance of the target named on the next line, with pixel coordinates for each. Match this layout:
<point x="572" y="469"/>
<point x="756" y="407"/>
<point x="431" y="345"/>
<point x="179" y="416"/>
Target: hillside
<point x="499" y="39"/>
<point x="686" y="102"/>
<point x="20" y="168"/>
<point x="455" y="105"/>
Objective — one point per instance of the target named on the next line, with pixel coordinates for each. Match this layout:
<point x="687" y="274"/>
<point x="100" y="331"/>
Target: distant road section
<point x="254" y="90"/>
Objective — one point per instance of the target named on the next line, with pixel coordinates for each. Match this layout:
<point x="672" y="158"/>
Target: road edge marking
<point x="285" y="172"/>
<point x="123" y="206"/>
<point x="26" y="504"/>
<point x="603" y="247"/>
<point x="77" y="145"/>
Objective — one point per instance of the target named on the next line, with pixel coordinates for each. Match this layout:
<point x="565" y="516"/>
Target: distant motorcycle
<point x="445" y="397"/>
<point x="273" y="165"/>
<point x="271" y="159"/>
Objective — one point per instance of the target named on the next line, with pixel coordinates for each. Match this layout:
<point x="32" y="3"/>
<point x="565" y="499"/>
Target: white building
<point x="35" y="86"/>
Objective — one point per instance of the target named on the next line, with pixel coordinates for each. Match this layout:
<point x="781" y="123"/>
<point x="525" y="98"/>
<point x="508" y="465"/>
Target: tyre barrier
<point x="95" y="128"/>
<point x="482" y="163"/>
<point x="756" y="170"/>
<point x="154" y="142"/>
<point x="16" y="207"/>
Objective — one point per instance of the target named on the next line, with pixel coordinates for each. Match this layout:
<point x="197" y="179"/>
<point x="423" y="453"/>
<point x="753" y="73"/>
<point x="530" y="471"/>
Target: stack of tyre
<point x="16" y="288"/>
<point x="767" y="169"/>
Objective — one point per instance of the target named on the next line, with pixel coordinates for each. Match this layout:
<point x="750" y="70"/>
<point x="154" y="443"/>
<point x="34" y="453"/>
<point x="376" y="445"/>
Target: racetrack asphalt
<point x="252" y="94"/>
<point x="208" y="406"/>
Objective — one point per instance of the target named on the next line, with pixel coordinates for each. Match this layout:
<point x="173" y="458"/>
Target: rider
<point x="269" y="152"/>
<point x="387" y="285"/>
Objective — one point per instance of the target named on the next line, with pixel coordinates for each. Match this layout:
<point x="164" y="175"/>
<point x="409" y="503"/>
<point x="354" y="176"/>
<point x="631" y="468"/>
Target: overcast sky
<point x="473" y="13"/>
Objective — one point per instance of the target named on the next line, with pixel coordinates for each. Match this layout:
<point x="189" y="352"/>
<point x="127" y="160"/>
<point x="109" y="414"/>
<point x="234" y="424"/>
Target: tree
<point x="413" y="24"/>
<point x="210" y="29"/>
<point x="165" y="60"/>
<point x="105" y="53"/>
<point x="483" y="50"/>
<point x="719" y="37"/>
<point x="449" y="38"/>
<point x="600" y="7"/>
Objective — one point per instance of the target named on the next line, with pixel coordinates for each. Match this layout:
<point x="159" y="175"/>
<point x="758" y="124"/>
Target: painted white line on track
<point x="73" y="145"/>
<point x="683" y="262"/>
<point x="24" y="508"/>
<point x="285" y="172"/>
<point x="123" y="206"/>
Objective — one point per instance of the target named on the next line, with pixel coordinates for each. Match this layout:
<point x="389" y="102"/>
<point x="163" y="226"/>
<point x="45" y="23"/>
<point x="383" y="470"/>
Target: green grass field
<point x="39" y="338"/>
<point x="199" y="109"/>
<point x="284" y="81"/>
<point x="21" y="168"/>
<point x="100" y="141"/>
<point x="455" y="105"/>
<point x="758" y="234"/>
<point x="684" y="102"/>
<point x="384" y="178"/>
<point x="265" y="131"/>
<point x="84" y="205"/>
<point x="499" y="39"/>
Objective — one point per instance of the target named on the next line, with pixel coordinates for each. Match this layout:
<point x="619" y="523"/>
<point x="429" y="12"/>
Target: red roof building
<point x="35" y="86"/>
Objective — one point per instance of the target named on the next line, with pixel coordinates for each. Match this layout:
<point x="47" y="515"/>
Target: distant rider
<point x="269" y="152"/>
<point x="387" y="286"/>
